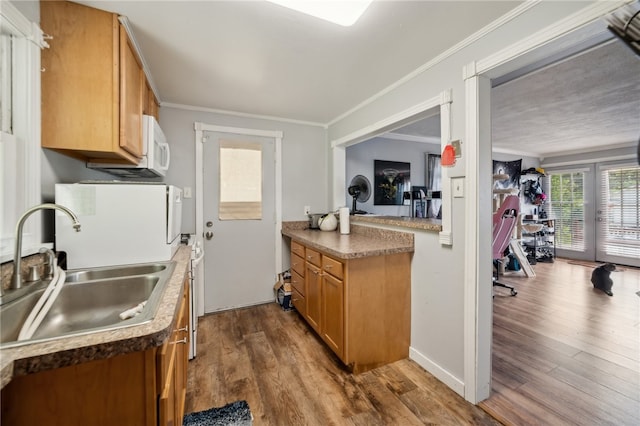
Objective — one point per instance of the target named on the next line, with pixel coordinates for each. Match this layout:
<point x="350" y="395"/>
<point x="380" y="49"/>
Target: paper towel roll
<point x="344" y="220"/>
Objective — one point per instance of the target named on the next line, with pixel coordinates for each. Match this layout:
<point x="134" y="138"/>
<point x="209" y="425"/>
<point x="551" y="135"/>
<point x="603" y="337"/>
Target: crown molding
<point x="411" y="138"/>
<point x="241" y="114"/>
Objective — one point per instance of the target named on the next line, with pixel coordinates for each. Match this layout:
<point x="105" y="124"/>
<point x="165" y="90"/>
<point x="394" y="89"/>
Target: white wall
<point x="360" y="160"/>
<point x="435" y="335"/>
<point x="304" y="159"/>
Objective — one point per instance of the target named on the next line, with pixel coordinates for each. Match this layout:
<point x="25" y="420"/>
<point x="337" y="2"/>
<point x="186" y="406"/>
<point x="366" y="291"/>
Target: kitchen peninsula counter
<point x="65" y="351"/>
<point x="412" y="223"/>
<point x="354" y="291"/>
<point x="363" y="241"/>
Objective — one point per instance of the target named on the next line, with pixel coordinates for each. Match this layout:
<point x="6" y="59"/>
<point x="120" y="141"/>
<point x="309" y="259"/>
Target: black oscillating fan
<point x="360" y="190"/>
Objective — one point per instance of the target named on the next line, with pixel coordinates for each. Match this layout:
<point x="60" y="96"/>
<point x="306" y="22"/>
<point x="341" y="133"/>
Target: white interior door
<point x="618" y="214"/>
<point x="239" y="253"/>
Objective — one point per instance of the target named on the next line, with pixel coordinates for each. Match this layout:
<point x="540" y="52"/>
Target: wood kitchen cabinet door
<point x="92" y="85"/>
<point x="151" y="105"/>
<point x="332" y="322"/>
<point x="314" y="289"/>
<point x="132" y="85"/>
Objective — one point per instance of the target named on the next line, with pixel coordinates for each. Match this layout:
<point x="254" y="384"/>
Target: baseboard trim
<point x="440" y="373"/>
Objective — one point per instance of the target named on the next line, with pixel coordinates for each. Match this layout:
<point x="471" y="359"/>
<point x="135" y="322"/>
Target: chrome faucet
<point x="16" y="279"/>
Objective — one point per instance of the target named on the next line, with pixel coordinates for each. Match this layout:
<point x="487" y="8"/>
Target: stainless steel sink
<point x="123" y="271"/>
<point x="90" y="301"/>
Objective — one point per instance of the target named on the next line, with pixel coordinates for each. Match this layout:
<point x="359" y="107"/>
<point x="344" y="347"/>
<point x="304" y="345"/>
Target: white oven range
<point x="196" y="286"/>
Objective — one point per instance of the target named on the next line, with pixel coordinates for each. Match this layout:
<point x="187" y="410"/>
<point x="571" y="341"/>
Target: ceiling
<point x="255" y="57"/>
<point x="586" y="101"/>
<point x="259" y="58"/>
<point x="582" y="103"/>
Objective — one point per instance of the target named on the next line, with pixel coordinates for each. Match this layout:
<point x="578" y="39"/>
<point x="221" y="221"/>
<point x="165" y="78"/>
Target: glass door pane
<point x="618" y="215"/>
<point x="570" y="203"/>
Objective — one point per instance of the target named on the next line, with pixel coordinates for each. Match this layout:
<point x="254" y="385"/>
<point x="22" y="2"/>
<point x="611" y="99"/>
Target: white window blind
<point x="6" y="79"/>
<point x="565" y="204"/>
<point x="620" y="211"/>
<point x="240" y="181"/>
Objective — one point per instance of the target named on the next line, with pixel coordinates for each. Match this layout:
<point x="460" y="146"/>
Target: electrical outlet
<point x="458" y="187"/>
<point x="307" y="209"/>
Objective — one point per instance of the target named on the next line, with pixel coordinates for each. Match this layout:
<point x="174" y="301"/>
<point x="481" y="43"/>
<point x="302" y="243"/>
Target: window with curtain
<point x="240" y="181"/>
<point x="434" y="183"/>
<point x="620" y="195"/>
<point x="565" y="204"/>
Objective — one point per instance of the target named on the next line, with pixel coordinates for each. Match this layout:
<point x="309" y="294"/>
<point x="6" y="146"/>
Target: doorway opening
<point x="478" y="82"/>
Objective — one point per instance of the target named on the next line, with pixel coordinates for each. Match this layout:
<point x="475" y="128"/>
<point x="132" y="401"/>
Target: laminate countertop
<point x="72" y="350"/>
<point x="362" y="241"/>
<point x="415" y="223"/>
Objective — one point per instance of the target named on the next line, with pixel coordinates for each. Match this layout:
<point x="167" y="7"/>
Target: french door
<point x="597" y="212"/>
<point x="618" y="214"/>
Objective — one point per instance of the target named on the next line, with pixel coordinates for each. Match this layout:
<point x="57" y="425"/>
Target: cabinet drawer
<point x="297" y="282"/>
<point x="299" y="302"/>
<point x="297" y="248"/>
<point x="332" y="266"/>
<point x="313" y="257"/>
<point x="297" y="264"/>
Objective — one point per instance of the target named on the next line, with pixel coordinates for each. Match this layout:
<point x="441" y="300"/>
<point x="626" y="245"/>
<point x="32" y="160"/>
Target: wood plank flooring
<point x="565" y="353"/>
<point x="275" y="362"/>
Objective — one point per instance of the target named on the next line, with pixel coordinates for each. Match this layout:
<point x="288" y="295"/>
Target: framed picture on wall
<point x="391" y="179"/>
<point x="510" y="170"/>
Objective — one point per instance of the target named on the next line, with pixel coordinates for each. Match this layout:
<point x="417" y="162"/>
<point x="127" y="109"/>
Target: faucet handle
<point x="50" y="264"/>
<point x="33" y="274"/>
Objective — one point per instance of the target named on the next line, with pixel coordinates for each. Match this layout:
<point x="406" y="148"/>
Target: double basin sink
<point x="91" y="300"/>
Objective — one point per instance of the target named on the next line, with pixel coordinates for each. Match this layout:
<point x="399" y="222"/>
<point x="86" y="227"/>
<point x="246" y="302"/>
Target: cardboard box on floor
<point x="282" y="290"/>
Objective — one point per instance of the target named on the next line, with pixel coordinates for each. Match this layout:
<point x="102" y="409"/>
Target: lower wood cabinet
<point x="332" y="317"/>
<point x="172" y="360"/>
<point x="360" y="307"/>
<point x="139" y="388"/>
<point x="313" y="295"/>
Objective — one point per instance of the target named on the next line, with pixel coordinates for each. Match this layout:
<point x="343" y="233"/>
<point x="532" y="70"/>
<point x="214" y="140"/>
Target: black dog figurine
<point x="601" y="277"/>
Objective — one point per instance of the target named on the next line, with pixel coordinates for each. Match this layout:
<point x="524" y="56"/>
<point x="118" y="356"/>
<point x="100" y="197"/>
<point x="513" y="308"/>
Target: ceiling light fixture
<point x="341" y="12"/>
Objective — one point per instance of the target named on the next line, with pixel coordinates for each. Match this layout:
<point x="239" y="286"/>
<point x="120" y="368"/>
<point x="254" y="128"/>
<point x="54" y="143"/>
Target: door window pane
<point x="240" y="181"/>
<point x="566" y="206"/>
<point x="620" y="231"/>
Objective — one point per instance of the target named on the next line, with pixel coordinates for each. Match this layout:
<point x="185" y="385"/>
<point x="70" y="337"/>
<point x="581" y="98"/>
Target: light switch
<point x="458" y="187"/>
<point x="186" y="192"/>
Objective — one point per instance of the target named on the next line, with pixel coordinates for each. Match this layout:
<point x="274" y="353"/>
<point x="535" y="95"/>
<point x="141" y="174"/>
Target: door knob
<point x="208" y="235"/>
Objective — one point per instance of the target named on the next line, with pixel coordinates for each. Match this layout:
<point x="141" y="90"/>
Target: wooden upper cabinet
<point x="92" y="85"/>
<point x="132" y="85"/>
<point x="151" y="104"/>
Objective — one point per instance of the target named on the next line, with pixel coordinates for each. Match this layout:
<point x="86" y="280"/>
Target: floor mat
<point x="233" y="414"/>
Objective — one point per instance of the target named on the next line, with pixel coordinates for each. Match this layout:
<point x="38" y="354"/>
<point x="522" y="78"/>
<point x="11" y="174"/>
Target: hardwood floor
<point x="565" y="353"/>
<point x="275" y="362"/>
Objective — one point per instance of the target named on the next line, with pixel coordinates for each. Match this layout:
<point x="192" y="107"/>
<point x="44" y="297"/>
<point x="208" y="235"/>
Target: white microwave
<point x="155" y="159"/>
<point x="122" y="223"/>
